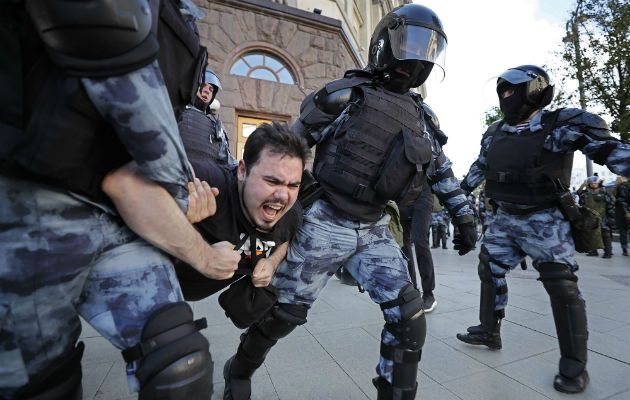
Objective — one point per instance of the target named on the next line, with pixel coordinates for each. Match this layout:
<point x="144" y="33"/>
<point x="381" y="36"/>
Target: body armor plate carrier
<point x="379" y="153"/>
<point x="521" y="171"/>
<point x="199" y="135"/>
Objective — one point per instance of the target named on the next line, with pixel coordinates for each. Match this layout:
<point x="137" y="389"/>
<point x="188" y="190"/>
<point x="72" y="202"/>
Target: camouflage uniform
<point x="543" y="235"/>
<point x="329" y="238"/>
<point x="63" y="255"/>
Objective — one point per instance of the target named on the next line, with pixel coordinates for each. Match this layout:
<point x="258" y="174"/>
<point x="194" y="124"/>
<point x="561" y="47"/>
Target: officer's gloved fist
<point x="465" y="238"/>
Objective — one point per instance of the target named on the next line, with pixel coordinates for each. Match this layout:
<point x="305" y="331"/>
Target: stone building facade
<point x="269" y="55"/>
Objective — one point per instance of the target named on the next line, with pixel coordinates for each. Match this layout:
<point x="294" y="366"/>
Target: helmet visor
<point x="516" y="76"/>
<point x="413" y="42"/>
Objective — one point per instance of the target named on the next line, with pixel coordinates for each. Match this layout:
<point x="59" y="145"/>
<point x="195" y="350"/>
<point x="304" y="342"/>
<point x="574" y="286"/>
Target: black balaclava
<point x="399" y="83"/>
<point x="200" y="104"/>
<point x="514" y="107"/>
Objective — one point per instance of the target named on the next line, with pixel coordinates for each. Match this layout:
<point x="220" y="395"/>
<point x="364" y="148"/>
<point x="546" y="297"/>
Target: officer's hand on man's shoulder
<point x="201" y="201"/>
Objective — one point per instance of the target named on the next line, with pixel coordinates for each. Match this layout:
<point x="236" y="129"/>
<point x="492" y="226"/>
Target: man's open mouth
<point x="270" y="211"/>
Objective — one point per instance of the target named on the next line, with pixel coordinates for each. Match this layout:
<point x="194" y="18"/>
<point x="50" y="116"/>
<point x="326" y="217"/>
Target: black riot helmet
<point x="537" y="88"/>
<point x="412" y="37"/>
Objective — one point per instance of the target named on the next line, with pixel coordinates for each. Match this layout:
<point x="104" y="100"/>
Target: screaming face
<point x="270" y="188"/>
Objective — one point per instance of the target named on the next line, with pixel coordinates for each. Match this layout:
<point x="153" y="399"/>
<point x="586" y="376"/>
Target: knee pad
<point x="410" y="332"/>
<point x="61" y="381"/>
<point x="262" y="336"/>
<point x="174" y="357"/>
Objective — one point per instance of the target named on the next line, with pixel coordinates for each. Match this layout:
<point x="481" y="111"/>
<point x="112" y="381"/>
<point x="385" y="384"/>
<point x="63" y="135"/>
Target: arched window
<point x="262" y="65"/>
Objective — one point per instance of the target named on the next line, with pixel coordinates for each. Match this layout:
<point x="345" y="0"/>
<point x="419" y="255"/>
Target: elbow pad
<point x="96" y="38"/>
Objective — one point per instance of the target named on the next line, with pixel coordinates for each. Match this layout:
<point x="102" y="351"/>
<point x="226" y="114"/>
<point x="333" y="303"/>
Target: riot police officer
<point x="598" y="199"/>
<point x="72" y="113"/>
<point x="201" y="129"/>
<point x="526" y="159"/>
<point x="372" y="148"/>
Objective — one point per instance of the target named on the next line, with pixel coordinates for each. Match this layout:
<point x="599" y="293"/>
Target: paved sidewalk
<point x="333" y="356"/>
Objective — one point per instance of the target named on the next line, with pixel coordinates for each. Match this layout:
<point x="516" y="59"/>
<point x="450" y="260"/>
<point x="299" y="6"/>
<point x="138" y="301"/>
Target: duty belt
<point x="525" y="211"/>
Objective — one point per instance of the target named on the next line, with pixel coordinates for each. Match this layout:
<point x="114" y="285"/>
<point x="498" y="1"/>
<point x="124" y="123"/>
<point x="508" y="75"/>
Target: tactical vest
<point x="379" y="153"/>
<point x="520" y="171"/>
<point x="50" y="131"/>
<point x="200" y="136"/>
<point x="596" y="202"/>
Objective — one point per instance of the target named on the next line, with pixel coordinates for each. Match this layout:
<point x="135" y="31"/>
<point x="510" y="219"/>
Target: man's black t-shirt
<point x="229" y="224"/>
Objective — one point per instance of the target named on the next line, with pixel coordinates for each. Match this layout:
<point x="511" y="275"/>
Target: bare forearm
<point x="278" y="255"/>
<point x="151" y="212"/>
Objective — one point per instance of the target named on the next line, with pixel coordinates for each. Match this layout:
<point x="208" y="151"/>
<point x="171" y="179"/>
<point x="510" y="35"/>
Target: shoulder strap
<point x="347" y="83"/>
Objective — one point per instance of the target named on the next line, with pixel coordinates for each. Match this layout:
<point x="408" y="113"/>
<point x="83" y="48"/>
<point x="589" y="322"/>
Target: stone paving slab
<point x="334" y="355"/>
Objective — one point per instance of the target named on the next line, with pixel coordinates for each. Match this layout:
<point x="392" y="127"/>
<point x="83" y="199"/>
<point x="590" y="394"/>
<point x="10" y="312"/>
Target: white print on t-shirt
<point x="262" y="247"/>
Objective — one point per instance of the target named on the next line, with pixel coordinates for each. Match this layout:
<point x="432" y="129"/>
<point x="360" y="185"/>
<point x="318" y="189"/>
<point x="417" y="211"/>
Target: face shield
<point x="516" y="76"/>
<point x="414" y="42"/>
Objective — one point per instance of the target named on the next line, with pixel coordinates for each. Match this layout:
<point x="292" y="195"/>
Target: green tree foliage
<point x="492" y="115"/>
<point x="597" y="53"/>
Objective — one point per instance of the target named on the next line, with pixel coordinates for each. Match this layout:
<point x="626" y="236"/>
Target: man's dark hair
<point x="278" y="138"/>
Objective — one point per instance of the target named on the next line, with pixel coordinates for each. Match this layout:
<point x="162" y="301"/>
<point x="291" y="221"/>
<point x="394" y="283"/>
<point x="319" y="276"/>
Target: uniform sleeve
<point x="446" y="187"/>
<point x="138" y="106"/>
<point x="589" y="133"/>
<point x="475" y="175"/>
<point x="482" y="201"/>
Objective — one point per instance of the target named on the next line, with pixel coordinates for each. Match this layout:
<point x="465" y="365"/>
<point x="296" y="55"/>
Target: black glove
<point x="465" y="238"/>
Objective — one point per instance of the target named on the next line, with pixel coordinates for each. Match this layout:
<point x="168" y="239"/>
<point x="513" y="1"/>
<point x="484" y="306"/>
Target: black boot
<point x="488" y="332"/>
<point x="569" y="314"/>
<point x="237" y="375"/>
<point x="571" y="385"/>
<point x="592" y="253"/>
<point x="624" y="251"/>
<point x="385" y="390"/>
<point x="255" y="344"/>
<point x="478" y="336"/>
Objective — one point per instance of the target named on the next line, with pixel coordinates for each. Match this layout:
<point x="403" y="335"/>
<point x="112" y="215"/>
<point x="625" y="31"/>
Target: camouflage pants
<point x="545" y="236"/>
<point x="59" y="258"/>
<point x="368" y="251"/>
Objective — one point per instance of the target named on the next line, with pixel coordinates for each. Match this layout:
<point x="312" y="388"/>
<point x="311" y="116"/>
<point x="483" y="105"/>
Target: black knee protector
<point x="410" y="332"/>
<point x="569" y="314"/>
<point x="60" y="382"/>
<point x="488" y="317"/>
<point x="174" y="356"/>
<point x="262" y="336"/>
